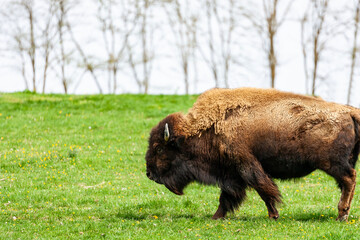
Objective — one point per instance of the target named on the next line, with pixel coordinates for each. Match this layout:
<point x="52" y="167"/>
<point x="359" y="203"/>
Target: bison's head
<point x="166" y="156"/>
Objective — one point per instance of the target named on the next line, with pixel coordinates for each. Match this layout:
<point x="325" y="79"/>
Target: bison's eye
<point x="159" y="150"/>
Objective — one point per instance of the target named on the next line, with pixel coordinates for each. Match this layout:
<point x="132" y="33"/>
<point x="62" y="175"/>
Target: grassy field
<point x="72" y="167"/>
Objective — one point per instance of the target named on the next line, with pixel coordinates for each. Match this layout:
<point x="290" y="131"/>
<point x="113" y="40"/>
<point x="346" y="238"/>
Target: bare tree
<point x="354" y="51"/>
<point x="141" y="62"/>
<point x="62" y="8"/>
<point x="47" y="48"/>
<point x="47" y="39"/>
<point x="211" y="58"/>
<point x="226" y="24"/>
<point x="115" y="33"/>
<point x="66" y="46"/>
<point x="62" y="12"/>
<point x="86" y="61"/>
<point x="270" y="10"/>
<point x="146" y="52"/>
<point x="20" y="21"/>
<point x="28" y="7"/>
<point x="106" y="18"/>
<point x="318" y="46"/>
<point x="268" y="27"/>
<point x="303" y="24"/>
<point x="183" y="24"/>
<point x="88" y="65"/>
<point x="20" y="50"/>
<point x="218" y="48"/>
<point x="316" y="34"/>
<point x="31" y="33"/>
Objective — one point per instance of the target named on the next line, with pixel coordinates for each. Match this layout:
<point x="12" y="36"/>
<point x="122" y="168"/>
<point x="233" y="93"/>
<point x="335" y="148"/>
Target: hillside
<point x="73" y="167"/>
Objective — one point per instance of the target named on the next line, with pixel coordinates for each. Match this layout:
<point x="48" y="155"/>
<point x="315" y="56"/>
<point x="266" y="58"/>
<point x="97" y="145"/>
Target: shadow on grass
<point x="309" y="218"/>
<point x="315" y="217"/>
<point x="159" y="209"/>
<point x="302" y="217"/>
<point x="142" y="216"/>
<point x="154" y="210"/>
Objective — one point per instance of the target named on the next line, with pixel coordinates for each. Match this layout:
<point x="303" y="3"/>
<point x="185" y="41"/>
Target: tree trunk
<point x="354" y="51"/>
<point x="145" y="57"/>
<point x="186" y="76"/>
<point x="32" y="47"/>
<point x="61" y="42"/>
<point x="114" y="79"/>
<point x="45" y="73"/>
<point x="272" y="61"/>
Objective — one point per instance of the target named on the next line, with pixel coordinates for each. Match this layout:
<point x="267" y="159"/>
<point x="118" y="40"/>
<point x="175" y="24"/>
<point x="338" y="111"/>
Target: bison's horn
<point x="166" y="132"/>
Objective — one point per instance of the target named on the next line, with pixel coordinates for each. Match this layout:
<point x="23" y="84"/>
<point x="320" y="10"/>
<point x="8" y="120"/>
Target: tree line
<point x="45" y="37"/>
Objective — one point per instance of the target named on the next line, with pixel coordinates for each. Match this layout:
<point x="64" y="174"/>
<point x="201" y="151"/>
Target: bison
<point x="240" y="138"/>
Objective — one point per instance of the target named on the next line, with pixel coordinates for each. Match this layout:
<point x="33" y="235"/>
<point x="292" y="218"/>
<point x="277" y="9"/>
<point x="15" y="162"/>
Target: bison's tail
<point x="355" y="114"/>
<point x="355" y="154"/>
<point x="356" y="118"/>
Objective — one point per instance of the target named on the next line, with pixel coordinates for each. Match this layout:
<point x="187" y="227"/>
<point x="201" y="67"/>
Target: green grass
<point x="72" y="167"/>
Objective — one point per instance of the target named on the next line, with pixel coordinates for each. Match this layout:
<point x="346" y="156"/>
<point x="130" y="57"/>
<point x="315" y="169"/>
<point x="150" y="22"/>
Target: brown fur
<point x="243" y="137"/>
<point x="213" y="107"/>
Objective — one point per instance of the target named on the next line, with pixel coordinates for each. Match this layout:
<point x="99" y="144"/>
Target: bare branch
<point x="354" y="49"/>
<point x="87" y="64"/>
<point x="116" y="33"/>
<point x="183" y="24"/>
<point x="142" y="68"/>
<point x="268" y="28"/>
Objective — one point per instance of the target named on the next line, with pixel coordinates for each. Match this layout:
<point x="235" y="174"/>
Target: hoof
<point x="274" y="217"/>
<point x="343" y="218"/>
<point x="217" y="217"/>
<point x="219" y="214"/>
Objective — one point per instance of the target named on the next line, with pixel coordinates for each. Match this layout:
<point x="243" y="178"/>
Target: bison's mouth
<point x="157" y="181"/>
<point x="174" y="190"/>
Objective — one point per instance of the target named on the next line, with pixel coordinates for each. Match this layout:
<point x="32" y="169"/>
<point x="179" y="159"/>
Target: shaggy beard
<point x="177" y="179"/>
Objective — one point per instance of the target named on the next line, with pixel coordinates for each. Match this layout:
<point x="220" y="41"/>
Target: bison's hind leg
<point x="346" y="179"/>
<point x="347" y="184"/>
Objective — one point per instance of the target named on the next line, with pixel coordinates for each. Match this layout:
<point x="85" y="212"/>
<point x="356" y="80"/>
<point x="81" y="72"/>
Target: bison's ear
<point x="180" y="141"/>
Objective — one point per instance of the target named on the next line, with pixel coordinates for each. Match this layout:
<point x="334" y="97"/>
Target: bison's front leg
<point x="263" y="184"/>
<point x="229" y="202"/>
<point x="269" y="192"/>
